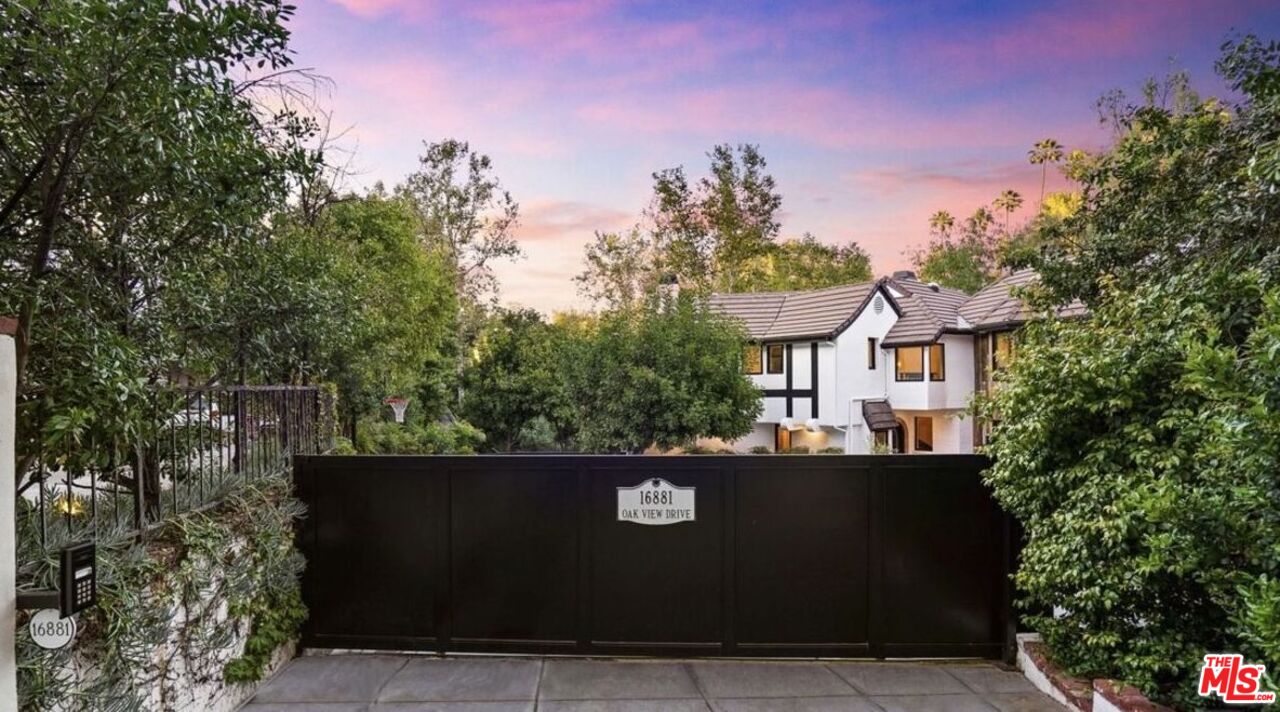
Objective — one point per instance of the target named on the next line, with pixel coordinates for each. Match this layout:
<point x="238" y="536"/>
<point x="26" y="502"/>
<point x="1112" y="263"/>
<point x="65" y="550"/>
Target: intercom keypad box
<point x="79" y="588"/>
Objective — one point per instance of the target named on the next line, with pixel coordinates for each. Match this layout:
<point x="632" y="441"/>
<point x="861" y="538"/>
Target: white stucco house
<point x="889" y="365"/>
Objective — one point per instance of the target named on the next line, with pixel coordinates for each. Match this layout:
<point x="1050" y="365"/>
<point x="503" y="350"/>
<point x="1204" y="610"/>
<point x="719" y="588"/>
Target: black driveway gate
<point x="857" y="556"/>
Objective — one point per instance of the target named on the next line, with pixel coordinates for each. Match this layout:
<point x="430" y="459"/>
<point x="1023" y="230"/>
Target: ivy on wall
<point x="171" y="612"/>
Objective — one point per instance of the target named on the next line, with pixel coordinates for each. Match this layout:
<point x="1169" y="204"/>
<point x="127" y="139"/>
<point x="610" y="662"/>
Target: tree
<point x="1007" y="202"/>
<point x="515" y="388"/>
<point x="805" y="264"/>
<point x="1042" y="154"/>
<point x="621" y="268"/>
<point x="139" y="167"/>
<point x="401" y="306"/>
<point x="719" y="234"/>
<point x="966" y="261"/>
<point x="705" y="234"/>
<point x="465" y="214"/>
<point x="1139" y="447"/>
<point x="662" y="377"/>
<point x="941" y="223"/>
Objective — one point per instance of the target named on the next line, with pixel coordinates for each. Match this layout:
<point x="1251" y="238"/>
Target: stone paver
<point x="1024" y="702"/>
<point x="933" y="703"/>
<point x="766" y="679"/>
<point x="609" y="680"/>
<point x="463" y="680"/>
<point x="899" y="679"/>
<point x="390" y="683"/>
<point x="803" y="704"/>
<point x="526" y="706"/>
<point x="335" y="678"/>
<point x="988" y="679"/>
<point x="623" y="706"/>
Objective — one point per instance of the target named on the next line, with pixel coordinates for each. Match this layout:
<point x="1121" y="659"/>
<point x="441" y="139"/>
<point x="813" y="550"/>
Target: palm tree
<point x="942" y="222"/>
<point x="1042" y="154"/>
<point x="1008" y="201"/>
<point x="980" y="221"/>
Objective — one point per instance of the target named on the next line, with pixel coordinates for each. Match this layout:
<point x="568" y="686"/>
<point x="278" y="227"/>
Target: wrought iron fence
<point x="194" y="448"/>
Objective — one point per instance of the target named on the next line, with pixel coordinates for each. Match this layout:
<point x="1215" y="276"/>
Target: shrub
<point x="831" y="451"/>
<point x="799" y="450"/>
<point x="760" y="450"/>
<point x="1143" y="464"/>
<point x="375" y="437"/>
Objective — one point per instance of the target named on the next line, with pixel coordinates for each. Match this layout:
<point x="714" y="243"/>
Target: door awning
<point x="879" y="415"/>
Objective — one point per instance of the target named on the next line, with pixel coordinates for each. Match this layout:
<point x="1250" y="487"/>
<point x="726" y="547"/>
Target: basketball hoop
<point x="398" y="406"/>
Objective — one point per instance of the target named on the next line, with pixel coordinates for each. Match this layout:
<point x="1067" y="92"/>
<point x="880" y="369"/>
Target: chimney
<point x="904" y="274"/>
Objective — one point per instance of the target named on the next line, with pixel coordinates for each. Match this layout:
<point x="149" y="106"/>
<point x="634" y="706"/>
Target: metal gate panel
<point x="514" y="556"/>
<point x="943" y="566"/>
<point x="371" y="540"/>
<point x="657" y="589"/>
<point x="881" y="556"/>
<point x="801" y="551"/>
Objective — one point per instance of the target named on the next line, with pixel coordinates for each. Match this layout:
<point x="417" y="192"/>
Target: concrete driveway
<point x="376" y="683"/>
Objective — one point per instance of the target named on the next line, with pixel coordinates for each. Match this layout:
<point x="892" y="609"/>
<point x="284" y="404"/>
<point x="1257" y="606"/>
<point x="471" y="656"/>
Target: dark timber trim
<point x="813" y="379"/>
<point x="790" y="382"/>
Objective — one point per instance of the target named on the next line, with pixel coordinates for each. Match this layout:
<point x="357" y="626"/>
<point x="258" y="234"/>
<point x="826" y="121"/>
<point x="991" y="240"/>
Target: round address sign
<point x="50" y="630"/>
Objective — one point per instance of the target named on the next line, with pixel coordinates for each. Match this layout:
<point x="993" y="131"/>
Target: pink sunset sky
<point x="872" y="115"/>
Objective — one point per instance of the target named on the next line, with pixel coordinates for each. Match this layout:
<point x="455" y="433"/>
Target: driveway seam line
<point x="842" y="678"/>
<point x="537" y="688"/>
<point x="697" y="684"/>
<point x="378" y="693"/>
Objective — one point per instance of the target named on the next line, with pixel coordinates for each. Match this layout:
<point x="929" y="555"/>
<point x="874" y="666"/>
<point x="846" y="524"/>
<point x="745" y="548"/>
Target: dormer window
<point x="775" y="358"/>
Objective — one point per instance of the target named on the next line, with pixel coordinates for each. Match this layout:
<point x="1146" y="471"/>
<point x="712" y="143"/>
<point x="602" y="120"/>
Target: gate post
<point x="8" y="527"/>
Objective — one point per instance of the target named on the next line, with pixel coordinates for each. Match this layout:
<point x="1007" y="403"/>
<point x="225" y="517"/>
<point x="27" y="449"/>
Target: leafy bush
<point x="388" y="438"/>
<point x="799" y="450"/>
<point x="831" y="451"/>
<point x="1143" y="464"/>
<point x="760" y="450"/>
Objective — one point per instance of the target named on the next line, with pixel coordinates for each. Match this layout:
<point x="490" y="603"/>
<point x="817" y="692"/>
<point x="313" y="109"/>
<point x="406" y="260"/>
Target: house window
<point x="751" y="359"/>
<point x="983" y="362"/>
<point x="924" y="433"/>
<point x="871" y="353"/>
<point x="775" y="358"/>
<point x="937" y="363"/>
<point x="908" y="363"/>
<point x="1002" y="349"/>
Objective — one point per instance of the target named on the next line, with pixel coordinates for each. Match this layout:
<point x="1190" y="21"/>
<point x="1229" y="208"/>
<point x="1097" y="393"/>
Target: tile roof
<point x="925" y="311"/>
<point x="791" y="316"/>
<point x="996" y="306"/>
<point x="929" y="310"/>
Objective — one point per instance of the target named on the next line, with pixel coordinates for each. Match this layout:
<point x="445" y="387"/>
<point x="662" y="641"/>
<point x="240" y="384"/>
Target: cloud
<point x="561" y="221"/>
<point x="368" y="9"/>
<point x="816" y="115"/>
<point x="1051" y="40"/>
